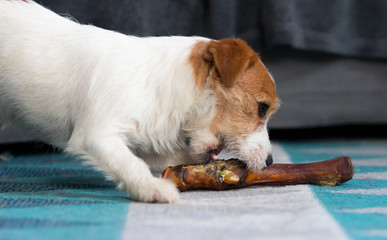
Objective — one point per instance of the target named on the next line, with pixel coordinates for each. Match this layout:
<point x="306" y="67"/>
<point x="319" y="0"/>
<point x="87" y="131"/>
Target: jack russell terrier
<point x="129" y="105"/>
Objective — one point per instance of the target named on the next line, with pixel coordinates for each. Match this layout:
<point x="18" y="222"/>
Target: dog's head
<point x="246" y="98"/>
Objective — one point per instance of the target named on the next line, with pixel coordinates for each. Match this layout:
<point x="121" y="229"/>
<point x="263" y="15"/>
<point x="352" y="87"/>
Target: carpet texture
<point x="54" y="197"/>
<point x="51" y="196"/>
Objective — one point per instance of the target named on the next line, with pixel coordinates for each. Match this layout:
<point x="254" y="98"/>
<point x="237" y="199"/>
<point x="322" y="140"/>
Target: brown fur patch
<point x="241" y="83"/>
<point x="200" y="66"/>
<point x="237" y="111"/>
<point x="231" y="57"/>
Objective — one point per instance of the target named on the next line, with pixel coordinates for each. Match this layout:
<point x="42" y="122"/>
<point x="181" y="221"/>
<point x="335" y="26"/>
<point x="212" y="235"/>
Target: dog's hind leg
<point x="110" y="154"/>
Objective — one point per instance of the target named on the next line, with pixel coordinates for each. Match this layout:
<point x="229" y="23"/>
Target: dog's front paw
<point x="155" y="190"/>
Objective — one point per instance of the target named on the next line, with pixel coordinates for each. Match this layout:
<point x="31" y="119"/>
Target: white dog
<point x="128" y="104"/>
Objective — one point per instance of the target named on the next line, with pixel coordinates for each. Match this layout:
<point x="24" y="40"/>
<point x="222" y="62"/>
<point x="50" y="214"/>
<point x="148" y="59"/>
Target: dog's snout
<point x="269" y="160"/>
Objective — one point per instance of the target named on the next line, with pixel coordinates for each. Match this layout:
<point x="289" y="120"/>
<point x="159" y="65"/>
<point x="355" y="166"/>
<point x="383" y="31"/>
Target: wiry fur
<point x="120" y="102"/>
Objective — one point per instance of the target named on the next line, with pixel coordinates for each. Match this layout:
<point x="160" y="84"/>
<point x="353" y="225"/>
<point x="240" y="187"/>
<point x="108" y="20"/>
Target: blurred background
<point x="328" y="57"/>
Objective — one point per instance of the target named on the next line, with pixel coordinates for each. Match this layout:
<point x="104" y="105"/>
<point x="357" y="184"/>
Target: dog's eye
<point x="262" y="109"/>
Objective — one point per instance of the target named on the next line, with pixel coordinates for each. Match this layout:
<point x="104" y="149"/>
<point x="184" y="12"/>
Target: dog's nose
<point x="269" y="160"/>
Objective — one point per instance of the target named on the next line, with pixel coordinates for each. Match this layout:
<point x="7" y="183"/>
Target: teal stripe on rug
<point x="55" y="197"/>
<point x="360" y="205"/>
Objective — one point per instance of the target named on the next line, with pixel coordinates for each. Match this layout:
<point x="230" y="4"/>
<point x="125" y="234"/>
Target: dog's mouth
<point x="211" y="154"/>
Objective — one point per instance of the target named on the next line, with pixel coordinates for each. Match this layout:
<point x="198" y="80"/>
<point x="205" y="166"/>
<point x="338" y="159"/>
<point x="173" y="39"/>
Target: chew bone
<point x="229" y="174"/>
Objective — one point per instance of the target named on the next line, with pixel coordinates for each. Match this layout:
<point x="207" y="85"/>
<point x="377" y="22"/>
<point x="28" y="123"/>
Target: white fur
<point x="255" y="148"/>
<point x="120" y="102"/>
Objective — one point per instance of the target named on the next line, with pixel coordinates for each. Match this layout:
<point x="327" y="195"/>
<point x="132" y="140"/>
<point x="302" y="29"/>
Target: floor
<point x="51" y="196"/>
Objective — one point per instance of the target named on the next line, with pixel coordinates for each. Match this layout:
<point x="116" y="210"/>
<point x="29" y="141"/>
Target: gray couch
<point x="320" y="90"/>
<point x="329" y="58"/>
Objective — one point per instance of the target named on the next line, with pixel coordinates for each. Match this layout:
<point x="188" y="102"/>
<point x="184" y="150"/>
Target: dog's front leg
<point x="112" y="156"/>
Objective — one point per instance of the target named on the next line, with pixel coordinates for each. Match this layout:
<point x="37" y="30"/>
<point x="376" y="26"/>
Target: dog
<point x="128" y="105"/>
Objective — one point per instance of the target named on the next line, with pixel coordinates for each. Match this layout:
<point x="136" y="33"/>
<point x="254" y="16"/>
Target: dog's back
<point x="52" y="68"/>
<point x="32" y="41"/>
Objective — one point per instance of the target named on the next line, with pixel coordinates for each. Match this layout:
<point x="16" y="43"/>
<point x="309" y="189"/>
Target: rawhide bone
<point x="230" y="174"/>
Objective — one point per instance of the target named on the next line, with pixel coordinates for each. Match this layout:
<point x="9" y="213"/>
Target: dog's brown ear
<point x="231" y="58"/>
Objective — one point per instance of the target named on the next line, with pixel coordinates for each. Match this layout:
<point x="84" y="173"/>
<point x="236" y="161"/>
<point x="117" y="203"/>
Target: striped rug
<point x="50" y="196"/>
